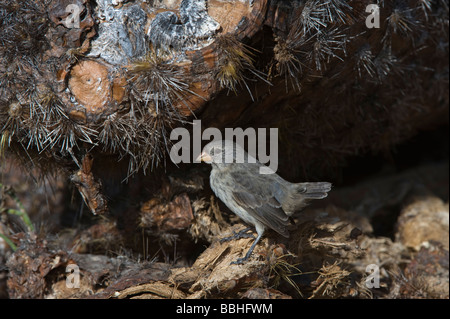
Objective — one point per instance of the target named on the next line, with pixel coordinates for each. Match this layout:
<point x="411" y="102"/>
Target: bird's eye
<point x="215" y="151"/>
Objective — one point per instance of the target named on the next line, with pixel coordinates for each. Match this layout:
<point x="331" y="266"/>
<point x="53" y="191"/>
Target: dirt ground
<point x="386" y="236"/>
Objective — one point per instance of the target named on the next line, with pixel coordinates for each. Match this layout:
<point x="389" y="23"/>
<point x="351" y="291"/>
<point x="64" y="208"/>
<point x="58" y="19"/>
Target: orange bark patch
<point x="90" y="85"/>
<point x="228" y="13"/>
<point x="118" y="90"/>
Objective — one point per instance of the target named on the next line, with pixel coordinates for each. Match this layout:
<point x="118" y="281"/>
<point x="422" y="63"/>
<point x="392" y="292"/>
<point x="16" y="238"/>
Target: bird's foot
<point x="239" y="261"/>
<point x="241" y="234"/>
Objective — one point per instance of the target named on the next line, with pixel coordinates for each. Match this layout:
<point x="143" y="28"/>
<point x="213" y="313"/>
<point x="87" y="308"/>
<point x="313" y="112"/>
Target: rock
<point x="426" y="276"/>
<point x="424" y="219"/>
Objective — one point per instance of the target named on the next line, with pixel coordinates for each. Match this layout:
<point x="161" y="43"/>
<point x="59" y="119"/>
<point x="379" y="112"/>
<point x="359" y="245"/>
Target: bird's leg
<point x="241" y="234"/>
<point x="240" y="261"/>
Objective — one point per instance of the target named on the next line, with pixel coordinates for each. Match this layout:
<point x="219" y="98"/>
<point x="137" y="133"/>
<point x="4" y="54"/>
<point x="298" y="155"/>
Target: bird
<point x="265" y="201"/>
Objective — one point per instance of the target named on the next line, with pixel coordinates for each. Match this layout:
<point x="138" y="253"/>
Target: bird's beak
<point x="204" y="157"/>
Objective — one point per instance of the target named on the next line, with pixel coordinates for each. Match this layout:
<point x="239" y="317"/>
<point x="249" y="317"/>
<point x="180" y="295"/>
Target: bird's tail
<point x="297" y="196"/>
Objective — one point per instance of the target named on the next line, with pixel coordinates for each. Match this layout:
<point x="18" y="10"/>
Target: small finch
<point x="262" y="200"/>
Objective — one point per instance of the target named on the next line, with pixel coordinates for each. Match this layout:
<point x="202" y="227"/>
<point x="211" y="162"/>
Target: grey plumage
<point x="262" y="200"/>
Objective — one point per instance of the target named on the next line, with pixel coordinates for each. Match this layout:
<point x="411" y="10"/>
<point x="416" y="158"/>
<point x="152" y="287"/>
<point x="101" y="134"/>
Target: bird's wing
<point x="254" y="193"/>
